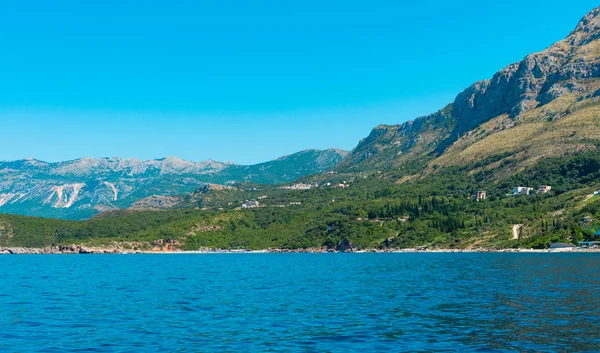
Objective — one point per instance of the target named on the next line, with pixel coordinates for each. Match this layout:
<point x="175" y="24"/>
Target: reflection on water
<point x="301" y="302"/>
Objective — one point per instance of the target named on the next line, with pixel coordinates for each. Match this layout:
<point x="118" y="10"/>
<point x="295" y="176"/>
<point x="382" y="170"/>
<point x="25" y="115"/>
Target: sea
<point x="402" y="302"/>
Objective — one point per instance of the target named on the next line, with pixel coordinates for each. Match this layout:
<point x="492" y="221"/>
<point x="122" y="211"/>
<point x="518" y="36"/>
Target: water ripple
<point x="300" y="303"/>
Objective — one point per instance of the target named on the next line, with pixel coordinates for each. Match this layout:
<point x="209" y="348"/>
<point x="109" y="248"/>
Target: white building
<point x="479" y="195"/>
<point x="522" y="190"/>
<point x="251" y="204"/>
<point x="299" y="186"/>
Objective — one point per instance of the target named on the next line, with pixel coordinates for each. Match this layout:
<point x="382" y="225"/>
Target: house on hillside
<point x="522" y="190"/>
<point x="251" y="204"/>
<point x="587" y="220"/>
<point x="479" y="195"/>
<point x="544" y="189"/>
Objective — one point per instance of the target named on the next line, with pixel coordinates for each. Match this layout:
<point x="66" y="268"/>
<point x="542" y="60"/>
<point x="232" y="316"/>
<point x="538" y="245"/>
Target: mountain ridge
<point x="565" y="73"/>
<point x="83" y="187"/>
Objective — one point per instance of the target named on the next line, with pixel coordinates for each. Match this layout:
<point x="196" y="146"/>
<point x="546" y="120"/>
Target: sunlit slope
<point x="567" y="125"/>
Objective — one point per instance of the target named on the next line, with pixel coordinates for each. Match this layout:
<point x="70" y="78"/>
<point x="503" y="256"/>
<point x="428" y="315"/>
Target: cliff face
<point x="570" y="66"/>
<point x="407" y="145"/>
<point x="538" y="79"/>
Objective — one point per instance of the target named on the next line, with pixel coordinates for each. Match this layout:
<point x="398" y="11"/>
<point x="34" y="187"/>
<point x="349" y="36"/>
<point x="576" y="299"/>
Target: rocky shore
<point x="81" y="249"/>
<point x="67" y="249"/>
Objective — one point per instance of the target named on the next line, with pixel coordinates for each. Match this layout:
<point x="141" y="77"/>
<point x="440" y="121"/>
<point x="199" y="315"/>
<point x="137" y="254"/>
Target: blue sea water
<point x="300" y="303"/>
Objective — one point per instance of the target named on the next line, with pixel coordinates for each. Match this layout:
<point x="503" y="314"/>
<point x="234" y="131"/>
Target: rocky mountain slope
<point x="546" y="105"/>
<point x="84" y="187"/>
<point x="408" y="146"/>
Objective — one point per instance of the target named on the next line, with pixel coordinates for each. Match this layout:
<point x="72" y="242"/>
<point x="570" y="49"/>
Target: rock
<point x="156" y="202"/>
<point x="344" y="245"/>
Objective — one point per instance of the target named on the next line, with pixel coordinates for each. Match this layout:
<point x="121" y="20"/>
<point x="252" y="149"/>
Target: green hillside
<point x="371" y="212"/>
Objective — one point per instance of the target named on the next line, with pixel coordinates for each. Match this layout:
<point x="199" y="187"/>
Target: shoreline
<point x="83" y="250"/>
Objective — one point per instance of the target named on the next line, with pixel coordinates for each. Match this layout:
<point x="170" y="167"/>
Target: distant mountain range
<point x="81" y="188"/>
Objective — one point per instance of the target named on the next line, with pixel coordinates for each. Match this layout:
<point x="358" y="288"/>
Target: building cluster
<point x="289" y="204"/>
<point x="299" y="186"/>
<point x="251" y="204"/>
<point x="331" y="184"/>
<point x="336" y="185"/>
<point x="519" y="190"/>
<point x="589" y="244"/>
<point x="524" y="190"/>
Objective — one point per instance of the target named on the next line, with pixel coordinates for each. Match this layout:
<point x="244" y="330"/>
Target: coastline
<point x="83" y="250"/>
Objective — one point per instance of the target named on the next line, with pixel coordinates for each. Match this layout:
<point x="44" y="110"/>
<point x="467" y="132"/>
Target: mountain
<point x="81" y="188"/>
<point x="546" y="105"/>
<point x="407" y="146"/>
<point x="284" y="169"/>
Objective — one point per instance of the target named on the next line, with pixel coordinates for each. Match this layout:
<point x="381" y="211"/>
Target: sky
<point x="246" y="81"/>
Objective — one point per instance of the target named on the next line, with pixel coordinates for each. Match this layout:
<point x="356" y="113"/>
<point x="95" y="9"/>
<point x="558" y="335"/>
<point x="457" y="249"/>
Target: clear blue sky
<point x="245" y="81"/>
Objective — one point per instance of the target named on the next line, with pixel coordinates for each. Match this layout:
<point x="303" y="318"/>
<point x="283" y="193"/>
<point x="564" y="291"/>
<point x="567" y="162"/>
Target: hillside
<point x="369" y="212"/>
<point x="546" y="105"/>
<point x="81" y="188"/>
